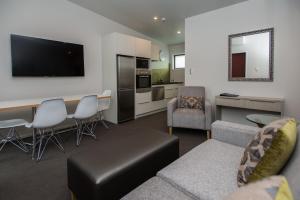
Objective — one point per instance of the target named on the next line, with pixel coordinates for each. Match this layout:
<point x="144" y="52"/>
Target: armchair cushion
<point x="189" y="118"/>
<point x="194" y="91"/>
<point x="191" y="102"/>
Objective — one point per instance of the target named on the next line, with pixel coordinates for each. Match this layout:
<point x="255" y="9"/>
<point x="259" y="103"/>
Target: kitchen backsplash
<point x="159" y="75"/>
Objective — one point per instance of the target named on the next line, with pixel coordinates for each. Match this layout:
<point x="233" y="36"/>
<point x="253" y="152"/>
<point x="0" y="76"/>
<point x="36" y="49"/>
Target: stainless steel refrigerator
<point x="126" y="85"/>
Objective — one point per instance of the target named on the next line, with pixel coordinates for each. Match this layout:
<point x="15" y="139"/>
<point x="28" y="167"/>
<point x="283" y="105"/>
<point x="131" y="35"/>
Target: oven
<point x="143" y="81"/>
<point x="142" y="63"/>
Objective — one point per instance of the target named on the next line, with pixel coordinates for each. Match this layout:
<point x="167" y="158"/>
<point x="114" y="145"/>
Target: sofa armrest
<point x="172" y="106"/>
<point x="208" y="116"/>
<point x="233" y="133"/>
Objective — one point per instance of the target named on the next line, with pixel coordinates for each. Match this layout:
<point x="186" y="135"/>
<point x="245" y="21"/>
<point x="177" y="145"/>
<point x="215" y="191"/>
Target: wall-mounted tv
<point x="34" y="57"/>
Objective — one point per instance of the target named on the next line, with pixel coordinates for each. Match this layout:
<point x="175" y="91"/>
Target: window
<point x="179" y="61"/>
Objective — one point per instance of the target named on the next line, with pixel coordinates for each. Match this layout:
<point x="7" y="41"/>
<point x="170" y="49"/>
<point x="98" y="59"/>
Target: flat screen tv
<point x="34" y="57"/>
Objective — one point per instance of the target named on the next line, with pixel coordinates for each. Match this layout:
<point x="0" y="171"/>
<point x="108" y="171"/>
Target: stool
<point x="12" y="135"/>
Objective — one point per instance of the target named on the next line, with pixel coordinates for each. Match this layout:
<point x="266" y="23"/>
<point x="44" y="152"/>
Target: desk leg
<point x="218" y="112"/>
<point x="33" y="134"/>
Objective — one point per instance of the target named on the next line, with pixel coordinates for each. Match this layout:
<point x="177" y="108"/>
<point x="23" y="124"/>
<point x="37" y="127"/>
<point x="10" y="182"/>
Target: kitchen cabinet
<point x="143" y="103"/>
<point x="171" y="91"/>
<point x="142" y="48"/>
<point x="125" y="44"/>
<point x="155" y="52"/>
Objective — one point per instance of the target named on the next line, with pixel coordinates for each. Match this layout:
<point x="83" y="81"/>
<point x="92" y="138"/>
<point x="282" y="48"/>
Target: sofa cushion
<point x="268" y="152"/>
<point x="271" y="188"/>
<point x="155" y="189"/>
<point x="189" y="118"/>
<point x="207" y="172"/>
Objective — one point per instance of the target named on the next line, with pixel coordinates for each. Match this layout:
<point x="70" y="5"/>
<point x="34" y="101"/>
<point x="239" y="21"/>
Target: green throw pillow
<point x="268" y="152"/>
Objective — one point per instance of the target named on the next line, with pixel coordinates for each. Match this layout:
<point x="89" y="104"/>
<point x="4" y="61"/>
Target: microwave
<point x="142" y="63"/>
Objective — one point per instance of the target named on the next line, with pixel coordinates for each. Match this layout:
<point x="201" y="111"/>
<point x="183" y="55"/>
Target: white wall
<point x="56" y="20"/>
<point x="176" y="75"/>
<point x="207" y="56"/>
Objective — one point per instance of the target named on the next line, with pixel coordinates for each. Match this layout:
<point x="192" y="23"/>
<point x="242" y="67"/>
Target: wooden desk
<point x="264" y="104"/>
<point x="33" y="103"/>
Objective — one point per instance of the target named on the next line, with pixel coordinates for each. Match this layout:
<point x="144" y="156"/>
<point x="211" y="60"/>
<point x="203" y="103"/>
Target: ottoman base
<point x="119" y="163"/>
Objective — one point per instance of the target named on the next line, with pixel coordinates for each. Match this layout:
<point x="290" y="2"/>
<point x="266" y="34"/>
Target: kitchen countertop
<point x="167" y="83"/>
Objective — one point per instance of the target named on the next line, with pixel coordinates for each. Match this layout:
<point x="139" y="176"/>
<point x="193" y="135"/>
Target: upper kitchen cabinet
<point x="125" y="44"/>
<point x="142" y="48"/>
<point x="155" y="52"/>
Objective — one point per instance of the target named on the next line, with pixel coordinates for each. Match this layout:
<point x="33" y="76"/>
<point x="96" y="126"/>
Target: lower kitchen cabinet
<point x="144" y="104"/>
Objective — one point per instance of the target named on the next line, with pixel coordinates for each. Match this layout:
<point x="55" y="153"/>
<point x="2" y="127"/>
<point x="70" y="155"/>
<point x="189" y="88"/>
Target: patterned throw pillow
<point x="272" y="188"/>
<point x="268" y="152"/>
<point x="190" y="102"/>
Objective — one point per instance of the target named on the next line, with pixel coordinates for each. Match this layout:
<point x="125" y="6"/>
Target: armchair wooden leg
<point x="208" y="134"/>
<point x="73" y="197"/>
<point x="170" y="130"/>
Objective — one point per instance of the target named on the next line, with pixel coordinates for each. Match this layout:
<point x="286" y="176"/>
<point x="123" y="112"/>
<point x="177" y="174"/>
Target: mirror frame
<point x="271" y="55"/>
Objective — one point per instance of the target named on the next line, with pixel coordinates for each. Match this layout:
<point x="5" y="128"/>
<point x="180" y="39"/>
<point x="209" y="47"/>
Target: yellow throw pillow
<point x="268" y="152"/>
<point x="271" y="188"/>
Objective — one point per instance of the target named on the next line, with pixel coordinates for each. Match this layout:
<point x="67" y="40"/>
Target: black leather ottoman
<point x="116" y="164"/>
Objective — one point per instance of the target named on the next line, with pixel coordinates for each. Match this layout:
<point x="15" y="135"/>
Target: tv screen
<point x="40" y="57"/>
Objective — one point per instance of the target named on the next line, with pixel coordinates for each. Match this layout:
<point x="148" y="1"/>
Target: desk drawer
<point x="274" y="106"/>
<point x="230" y="102"/>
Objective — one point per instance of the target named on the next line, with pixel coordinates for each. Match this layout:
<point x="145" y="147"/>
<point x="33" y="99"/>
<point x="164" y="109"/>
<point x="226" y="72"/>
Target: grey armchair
<point x="190" y="118"/>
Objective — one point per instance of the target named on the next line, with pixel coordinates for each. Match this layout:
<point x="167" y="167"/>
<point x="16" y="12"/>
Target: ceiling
<point x="138" y="14"/>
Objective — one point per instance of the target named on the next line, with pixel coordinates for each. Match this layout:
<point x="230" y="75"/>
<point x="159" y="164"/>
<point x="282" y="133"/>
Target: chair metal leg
<point x="40" y="150"/>
<point x="14" y="138"/>
<point x="104" y="124"/>
<point x="85" y="127"/>
<point x="56" y="141"/>
<point x="33" y="144"/>
<point x="102" y="120"/>
<point x="48" y="135"/>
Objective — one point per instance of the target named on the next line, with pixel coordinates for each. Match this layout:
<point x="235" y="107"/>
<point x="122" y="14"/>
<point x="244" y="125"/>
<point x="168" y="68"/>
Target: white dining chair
<point x="49" y="114"/>
<point x="84" y="115"/>
<point x="12" y="135"/>
<point x="104" y="104"/>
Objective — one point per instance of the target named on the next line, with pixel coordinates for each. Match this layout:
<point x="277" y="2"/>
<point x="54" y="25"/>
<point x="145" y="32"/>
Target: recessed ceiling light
<point x="155" y="18"/>
<point x="163" y="19"/>
<point x="178" y="32"/>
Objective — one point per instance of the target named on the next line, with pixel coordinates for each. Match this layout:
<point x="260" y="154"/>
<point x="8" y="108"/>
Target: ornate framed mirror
<point x="250" y="56"/>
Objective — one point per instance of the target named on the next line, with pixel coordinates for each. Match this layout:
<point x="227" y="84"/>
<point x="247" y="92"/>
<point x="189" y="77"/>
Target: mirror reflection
<point x="251" y="56"/>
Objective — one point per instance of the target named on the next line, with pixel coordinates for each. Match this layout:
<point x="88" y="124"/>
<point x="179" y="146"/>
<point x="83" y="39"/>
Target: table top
<point x="29" y="103"/>
<point x="262" y="119"/>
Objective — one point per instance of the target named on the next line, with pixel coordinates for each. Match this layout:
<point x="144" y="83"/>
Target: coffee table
<point x="262" y="119"/>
